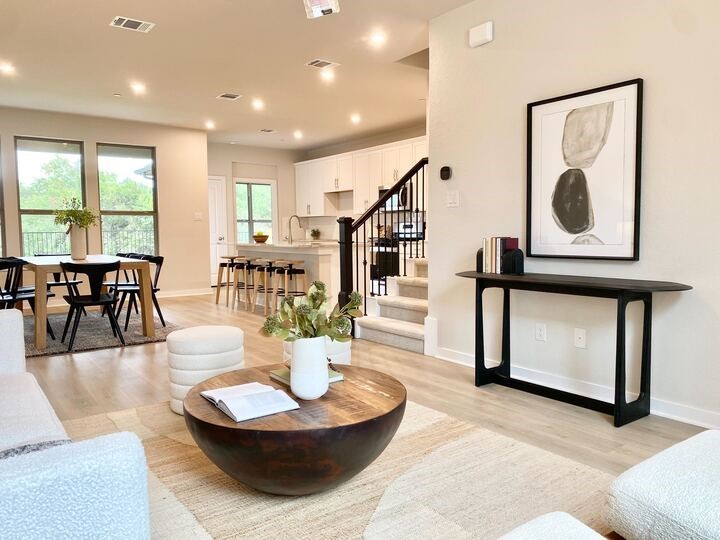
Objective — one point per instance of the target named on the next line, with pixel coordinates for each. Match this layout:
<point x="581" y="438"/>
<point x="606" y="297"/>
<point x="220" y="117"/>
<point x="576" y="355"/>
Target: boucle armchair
<point x="90" y="489"/>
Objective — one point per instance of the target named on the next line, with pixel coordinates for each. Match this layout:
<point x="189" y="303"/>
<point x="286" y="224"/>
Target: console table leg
<point x="483" y="375"/>
<point x="504" y="367"/>
<point x="628" y="412"/>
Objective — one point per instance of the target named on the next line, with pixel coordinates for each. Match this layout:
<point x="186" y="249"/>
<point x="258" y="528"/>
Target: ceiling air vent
<point x="322" y="64"/>
<point x="230" y="96"/>
<point x="132" y="24"/>
<point x="318" y="8"/>
<point x="268" y="130"/>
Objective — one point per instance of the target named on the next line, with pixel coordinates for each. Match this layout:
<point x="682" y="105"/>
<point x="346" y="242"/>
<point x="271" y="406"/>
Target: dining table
<point x="43" y="265"/>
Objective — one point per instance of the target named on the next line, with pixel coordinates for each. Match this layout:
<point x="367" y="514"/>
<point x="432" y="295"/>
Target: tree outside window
<point x="254" y="204"/>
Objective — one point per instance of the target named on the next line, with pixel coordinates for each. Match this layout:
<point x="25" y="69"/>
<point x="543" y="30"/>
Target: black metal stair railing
<point x="379" y="243"/>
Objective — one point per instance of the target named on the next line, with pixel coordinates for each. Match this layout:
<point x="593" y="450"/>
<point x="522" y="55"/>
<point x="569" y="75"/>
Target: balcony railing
<point x="134" y="241"/>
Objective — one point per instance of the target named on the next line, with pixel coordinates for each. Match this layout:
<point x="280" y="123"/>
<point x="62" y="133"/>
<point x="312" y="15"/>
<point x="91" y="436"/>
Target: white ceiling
<point x="68" y="59"/>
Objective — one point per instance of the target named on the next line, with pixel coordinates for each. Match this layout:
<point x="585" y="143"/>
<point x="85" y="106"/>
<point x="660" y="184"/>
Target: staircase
<point x="400" y="318"/>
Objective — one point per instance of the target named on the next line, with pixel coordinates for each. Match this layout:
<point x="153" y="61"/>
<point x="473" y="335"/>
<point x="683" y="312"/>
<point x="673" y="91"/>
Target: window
<point x="128" y="201"/>
<point x="49" y="173"/>
<point x="254" y="209"/>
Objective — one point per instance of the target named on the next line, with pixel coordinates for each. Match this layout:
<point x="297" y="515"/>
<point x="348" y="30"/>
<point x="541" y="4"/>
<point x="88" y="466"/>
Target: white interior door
<point x="217" y="216"/>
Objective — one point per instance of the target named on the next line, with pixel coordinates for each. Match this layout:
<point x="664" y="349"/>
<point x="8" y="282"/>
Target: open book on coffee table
<point x="251" y="400"/>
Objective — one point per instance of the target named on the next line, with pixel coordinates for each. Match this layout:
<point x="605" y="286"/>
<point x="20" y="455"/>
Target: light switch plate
<point x="540" y="332"/>
<point x="453" y="198"/>
<point x="198" y="216"/>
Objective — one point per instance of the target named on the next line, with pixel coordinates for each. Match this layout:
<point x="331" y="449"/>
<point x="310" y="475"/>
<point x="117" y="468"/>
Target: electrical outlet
<point x="580" y="338"/>
<point x="540" y="332"/>
<point x="453" y="199"/>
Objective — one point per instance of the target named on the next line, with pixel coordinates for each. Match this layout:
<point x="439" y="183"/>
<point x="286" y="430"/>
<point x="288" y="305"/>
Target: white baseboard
<point x="659" y="407"/>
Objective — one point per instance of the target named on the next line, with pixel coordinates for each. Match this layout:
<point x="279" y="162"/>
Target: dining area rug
<point x="439" y="478"/>
<point x="93" y="333"/>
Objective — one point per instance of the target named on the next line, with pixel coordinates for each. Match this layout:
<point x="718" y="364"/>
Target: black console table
<point x="622" y="290"/>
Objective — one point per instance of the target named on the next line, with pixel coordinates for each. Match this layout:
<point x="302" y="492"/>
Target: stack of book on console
<point x="251" y="400"/>
<point x="493" y="250"/>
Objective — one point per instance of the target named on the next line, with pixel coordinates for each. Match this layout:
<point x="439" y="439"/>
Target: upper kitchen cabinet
<point x="309" y="193"/>
<point x="420" y="150"/>
<point x="397" y="160"/>
<point x="336" y="173"/>
<point x="368" y="170"/>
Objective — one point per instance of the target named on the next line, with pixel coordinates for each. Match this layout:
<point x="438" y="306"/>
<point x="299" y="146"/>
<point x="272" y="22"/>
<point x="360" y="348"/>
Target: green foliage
<point x="306" y="316"/>
<point x="315" y="234"/>
<point x="75" y="214"/>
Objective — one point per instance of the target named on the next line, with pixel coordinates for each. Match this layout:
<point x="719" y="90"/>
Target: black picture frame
<point x="531" y="249"/>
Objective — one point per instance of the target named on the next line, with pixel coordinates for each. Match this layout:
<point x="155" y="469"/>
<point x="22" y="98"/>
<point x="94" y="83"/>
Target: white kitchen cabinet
<point x="420" y="150"/>
<point x="368" y="170"/>
<point x="345" y="173"/>
<point x="309" y="192"/>
<point x="397" y="160"/>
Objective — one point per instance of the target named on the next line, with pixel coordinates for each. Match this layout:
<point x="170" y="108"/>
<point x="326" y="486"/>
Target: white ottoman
<point x="339" y="352"/>
<point x="553" y="526"/>
<point x="675" y="494"/>
<point x="198" y="353"/>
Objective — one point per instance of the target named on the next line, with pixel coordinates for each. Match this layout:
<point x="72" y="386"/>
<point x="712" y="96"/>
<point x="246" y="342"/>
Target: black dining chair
<point x="27" y="294"/>
<point x="95" y="273"/>
<point x="9" y="286"/>
<point x="131" y="291"/>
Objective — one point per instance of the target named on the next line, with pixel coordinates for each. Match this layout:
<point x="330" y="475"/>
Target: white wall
<point x="181" y="156"/>
<point x="229" y="160"/>
<point x="477" y="118"/>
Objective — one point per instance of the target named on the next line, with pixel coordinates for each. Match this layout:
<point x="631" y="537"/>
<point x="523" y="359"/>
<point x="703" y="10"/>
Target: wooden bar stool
<point x="263" y="280"/>
<point x="244" y="280"/>
<point x="227" y="264"/>
<point x="288" y="276"/>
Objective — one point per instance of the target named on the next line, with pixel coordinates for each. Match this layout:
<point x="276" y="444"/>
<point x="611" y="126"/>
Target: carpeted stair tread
<point x="404" y="302"/>
<point x="393" y="326"/>
<point x="412" y="281"/>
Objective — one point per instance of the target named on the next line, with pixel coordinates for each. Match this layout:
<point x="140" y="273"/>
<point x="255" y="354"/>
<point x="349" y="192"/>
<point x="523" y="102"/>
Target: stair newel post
<point x="346" y="270"/>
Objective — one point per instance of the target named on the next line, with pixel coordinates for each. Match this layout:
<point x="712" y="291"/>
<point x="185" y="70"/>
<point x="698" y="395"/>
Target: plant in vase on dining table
<point x="77" y="219"/>
<point x="305" y="323"/>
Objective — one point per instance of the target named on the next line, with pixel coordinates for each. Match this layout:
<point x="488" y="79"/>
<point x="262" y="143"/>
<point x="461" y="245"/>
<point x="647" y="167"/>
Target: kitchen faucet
<point x="290" y="227"/>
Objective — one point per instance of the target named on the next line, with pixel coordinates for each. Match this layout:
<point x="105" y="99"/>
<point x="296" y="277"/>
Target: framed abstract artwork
<point x="583" y="174"/>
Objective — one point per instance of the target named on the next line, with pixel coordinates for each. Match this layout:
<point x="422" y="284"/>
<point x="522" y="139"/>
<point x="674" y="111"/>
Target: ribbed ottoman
<point x="198" y="353"/>
<point x="674" y="494"/>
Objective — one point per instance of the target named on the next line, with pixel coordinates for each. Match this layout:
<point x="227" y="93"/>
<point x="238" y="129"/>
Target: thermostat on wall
<point x="480" y="35"/>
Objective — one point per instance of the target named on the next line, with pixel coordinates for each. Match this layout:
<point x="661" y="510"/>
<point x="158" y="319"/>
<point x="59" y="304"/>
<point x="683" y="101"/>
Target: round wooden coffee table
<point x="316" y="447"/>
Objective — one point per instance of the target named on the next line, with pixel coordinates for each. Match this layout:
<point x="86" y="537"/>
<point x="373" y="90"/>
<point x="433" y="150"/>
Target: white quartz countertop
<point x="307" y="248"/>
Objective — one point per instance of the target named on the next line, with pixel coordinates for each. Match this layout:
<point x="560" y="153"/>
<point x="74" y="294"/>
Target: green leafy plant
<point x="306" y="316"/>
<point x="75" y="214"/>
<point x="315" y="234"/>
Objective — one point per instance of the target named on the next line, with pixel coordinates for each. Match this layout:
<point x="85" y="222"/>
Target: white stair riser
<point x="421" y="270"/>
<point x="402" y="314"/>
<point x="412" y="291"/>
<point x="392" y="340"/>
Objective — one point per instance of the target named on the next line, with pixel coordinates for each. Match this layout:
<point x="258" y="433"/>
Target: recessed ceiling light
<point x="327" y="74"/>
<point x="298" y="134"/>
<point x="210" y="124"/>
<point x="355" y="118"/>
<point x="138" y="88"/>
<point x="258" y="104"/>
<point x="117" y="94"/>
<point x="377" y="39"/>
<point x="6" y="68"/>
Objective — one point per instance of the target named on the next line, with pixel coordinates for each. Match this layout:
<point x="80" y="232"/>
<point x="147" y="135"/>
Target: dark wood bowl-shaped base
<point x="296" y="463"/>
<point x="315" y="448"/>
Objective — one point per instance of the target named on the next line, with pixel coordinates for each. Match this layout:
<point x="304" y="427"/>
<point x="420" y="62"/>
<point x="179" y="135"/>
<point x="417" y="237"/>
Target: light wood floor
<point x="95" y="382"/>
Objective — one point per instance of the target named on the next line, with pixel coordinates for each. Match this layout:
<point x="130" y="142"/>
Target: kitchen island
<point x="320" y="259"/>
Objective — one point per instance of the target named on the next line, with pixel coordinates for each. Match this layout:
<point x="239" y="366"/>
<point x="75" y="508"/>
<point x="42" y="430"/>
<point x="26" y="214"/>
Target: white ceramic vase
<point x="309" y="371"/>
<point x="78" y="243"/>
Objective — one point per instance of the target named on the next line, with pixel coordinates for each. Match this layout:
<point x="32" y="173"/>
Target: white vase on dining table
<point x="78" y="243"/>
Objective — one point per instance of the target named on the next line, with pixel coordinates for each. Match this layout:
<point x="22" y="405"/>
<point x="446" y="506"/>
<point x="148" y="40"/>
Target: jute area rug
<point x="93" y="333"/>
<point x="438" y="478"/>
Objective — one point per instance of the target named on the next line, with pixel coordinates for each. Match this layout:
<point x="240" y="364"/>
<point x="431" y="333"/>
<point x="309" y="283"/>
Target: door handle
<point x="221" y="238"/>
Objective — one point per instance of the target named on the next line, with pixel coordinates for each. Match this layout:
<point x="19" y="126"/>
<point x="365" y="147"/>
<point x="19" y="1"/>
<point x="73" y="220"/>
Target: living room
<point x="438" y="126"/>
